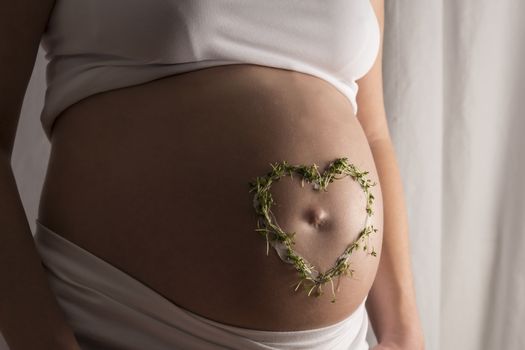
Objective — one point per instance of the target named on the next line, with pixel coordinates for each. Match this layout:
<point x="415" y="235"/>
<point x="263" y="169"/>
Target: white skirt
<point x="108" y="309"/>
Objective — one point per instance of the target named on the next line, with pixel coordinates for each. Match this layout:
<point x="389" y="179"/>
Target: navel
<point x="316" y="216"/>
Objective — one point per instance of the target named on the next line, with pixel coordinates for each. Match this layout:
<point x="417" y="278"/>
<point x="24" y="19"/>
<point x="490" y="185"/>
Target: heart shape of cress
<point x="283" y="241"/>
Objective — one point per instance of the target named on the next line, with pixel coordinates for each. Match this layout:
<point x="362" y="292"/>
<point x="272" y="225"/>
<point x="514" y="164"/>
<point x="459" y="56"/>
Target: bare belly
<point x="154" y="179"/>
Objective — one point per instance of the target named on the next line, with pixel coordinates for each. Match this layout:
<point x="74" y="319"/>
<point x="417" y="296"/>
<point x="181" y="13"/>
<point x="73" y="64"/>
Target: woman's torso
<point x="154" y="179"/>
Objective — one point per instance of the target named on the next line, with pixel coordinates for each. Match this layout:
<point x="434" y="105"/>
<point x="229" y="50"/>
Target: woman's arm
<point x="391" y="303"/>
<point x="30" y="317"/>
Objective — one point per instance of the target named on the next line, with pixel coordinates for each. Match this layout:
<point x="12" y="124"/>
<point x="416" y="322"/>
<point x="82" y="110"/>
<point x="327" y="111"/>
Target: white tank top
<point x="99" y="45"/>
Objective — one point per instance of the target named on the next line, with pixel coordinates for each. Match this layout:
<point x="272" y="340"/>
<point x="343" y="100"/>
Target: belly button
<point x="316" y="217"/>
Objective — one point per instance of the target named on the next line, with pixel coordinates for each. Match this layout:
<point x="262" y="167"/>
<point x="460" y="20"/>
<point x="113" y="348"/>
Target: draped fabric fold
<point x="109" y="309"/>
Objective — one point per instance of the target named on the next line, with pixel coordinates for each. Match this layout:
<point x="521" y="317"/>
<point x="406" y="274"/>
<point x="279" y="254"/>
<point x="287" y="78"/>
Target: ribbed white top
<point x="99" y="45"/>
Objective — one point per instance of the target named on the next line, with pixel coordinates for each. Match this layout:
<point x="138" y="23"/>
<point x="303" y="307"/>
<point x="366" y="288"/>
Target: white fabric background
<point x="454" y="94"/>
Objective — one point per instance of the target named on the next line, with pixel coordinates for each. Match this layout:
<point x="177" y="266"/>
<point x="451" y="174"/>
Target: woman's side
<point x="30" y="317"/>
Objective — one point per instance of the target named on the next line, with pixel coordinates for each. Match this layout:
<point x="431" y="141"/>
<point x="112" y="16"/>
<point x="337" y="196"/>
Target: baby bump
<point x="304" y="233"/>
<point x="292" y="240"/>
<point x="251" y="205"/>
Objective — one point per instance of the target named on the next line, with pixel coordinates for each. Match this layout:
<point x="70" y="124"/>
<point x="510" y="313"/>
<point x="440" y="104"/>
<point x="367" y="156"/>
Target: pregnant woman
<point x="215" y="181"/>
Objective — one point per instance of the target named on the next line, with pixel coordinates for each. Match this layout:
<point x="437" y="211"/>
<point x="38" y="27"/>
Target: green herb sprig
<point x="283" y="241"/>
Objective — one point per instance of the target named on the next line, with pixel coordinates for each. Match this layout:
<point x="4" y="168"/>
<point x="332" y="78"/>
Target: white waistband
<point x="108" y="308"/>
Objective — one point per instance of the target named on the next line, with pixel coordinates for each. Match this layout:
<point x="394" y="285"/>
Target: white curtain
<point x="454" y="94"/>
<point x="454" y="89"/>
<point x="483" y="243"/>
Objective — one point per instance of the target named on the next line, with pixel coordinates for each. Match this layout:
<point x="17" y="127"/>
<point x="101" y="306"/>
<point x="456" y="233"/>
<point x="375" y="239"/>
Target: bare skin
<point x="161" y="170"/>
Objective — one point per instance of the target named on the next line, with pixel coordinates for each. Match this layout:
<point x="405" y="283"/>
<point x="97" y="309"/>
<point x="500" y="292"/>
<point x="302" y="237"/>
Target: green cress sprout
<point x="266" y="225"/>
